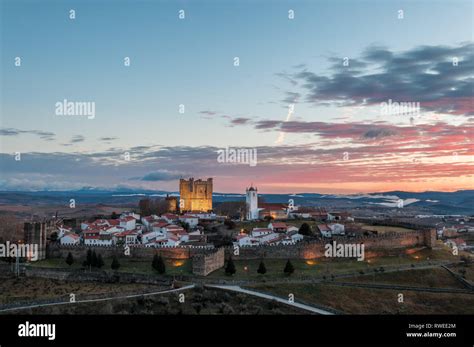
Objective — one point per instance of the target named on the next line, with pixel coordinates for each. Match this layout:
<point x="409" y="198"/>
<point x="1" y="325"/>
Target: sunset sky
<point x="337" y="140"/>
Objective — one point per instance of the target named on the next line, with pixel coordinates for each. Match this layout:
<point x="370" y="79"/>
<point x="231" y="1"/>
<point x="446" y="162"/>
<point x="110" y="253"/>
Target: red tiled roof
<point x="324" y="227"/>
<point x="279" y="225"/>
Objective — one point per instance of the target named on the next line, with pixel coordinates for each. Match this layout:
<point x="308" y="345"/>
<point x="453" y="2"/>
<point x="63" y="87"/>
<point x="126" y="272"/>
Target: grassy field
<point x="133" y="265"/>
<point x="28" y="289"/>
<point x="381" y="229"/>
<point x="247" y="269"/>
<point x="469" y="268"/>
<point x="197" y="301"/>
<point x="428" y="278"/>
<point x="373" y="301"/>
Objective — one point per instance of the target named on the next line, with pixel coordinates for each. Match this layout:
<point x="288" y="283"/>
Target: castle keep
<point x="195" y="195"/>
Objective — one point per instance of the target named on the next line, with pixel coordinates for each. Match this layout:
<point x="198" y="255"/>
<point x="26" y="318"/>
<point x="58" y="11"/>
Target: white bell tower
<point x="251" y="200"/>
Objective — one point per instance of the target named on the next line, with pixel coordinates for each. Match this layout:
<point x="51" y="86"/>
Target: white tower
<point x="251" y="200"/>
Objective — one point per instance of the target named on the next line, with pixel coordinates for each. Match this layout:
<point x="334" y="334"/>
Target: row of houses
<point x="276" y="233"/>
<point x="130" y="229"/>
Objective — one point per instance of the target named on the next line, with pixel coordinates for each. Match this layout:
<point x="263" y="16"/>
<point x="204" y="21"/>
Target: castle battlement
<point x="195" y="195"/>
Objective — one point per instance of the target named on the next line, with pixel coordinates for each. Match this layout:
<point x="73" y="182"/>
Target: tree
<point x="230" y="224"/>
<point x="69" y="259"/>
<point x="115" y="263"/>
<point x="94" y="259"/>
<point x="305" y="230"/>
<point x="88" y="261"/>
<point x="261" y="268"/>
<point x="54" y="236"/>
<point x="145" y="207"/>
<point x="289" y="269"/>
<point x="100" y="261"/>
<point x="268" y="218"/>
<point x="158" y="264"/>
<point x="230" y="267"/>
<point x="114" y="215"/>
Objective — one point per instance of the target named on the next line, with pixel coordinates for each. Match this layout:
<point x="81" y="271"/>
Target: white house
<point x="95" y="238"/>
<point x="292" y="228"/>
<point x="128" y="237"/>
<point x="190" y="219"/>
<point x="295" y="237"/>
<point x="70" y="239"/>
<point x="130" y="214"/>
<point x="128" y="222"/>
<point x="459" y="243"/>
<point x="337" y="229"/>
<point x="256" y="232"/>
<point x="278" y="227"/>
<point x="325" y="230"/>
<point x="245" y="240"/>
<point x="170" y="217"/>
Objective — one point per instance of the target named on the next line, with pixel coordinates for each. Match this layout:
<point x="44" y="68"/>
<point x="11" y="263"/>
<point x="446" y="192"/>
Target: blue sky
<point x="190" y="62"/>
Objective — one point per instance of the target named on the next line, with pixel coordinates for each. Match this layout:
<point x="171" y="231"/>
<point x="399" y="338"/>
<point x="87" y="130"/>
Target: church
<point x="256" y="212"/>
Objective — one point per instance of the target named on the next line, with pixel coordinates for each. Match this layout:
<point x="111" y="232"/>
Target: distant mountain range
<point x="459" y="202"/>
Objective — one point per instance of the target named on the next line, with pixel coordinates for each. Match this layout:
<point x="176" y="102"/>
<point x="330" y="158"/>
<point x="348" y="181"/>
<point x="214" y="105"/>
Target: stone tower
<point x="36" y="233"/>
<point x="195" y="195"/>
<point x="251" y="199"/>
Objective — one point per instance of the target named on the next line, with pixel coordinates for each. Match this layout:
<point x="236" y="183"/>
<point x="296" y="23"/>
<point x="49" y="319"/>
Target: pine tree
<point x="305" y="230"/>
<point x="94" y="259"/>
<point x="158" y="264"/>
<point x="289" y="269"/>
<point x="100" y="261"/>
<point x="69" y="259"/>
<point x="230" y="267"/>
<point x="115" y="263"/>
<point x="261" y="268"/>
<point x="89" y="257"/>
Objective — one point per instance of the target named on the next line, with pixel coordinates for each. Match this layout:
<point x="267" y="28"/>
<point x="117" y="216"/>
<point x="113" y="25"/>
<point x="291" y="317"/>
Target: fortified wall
<point x="315" y="249"/>
<point x="206" y="258"/>
<point x="204" y="264"/>
<point x="79" y="251"/>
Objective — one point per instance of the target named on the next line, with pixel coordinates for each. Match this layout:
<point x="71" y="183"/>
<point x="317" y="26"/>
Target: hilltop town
<point x="180" y="239"/>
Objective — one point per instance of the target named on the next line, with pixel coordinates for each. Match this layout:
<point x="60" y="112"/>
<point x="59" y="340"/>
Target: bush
<point x="305" y="230"/>
<point x="289" y="268"/>
<point x="100" y="261"/>
<point x="230" y="267"/>
<point x="115" y="263"/>
<point x="158" y="264"/>
<point x="261" y="268"/>
<point x="69" y="259"/>
<point x="94" y="261"/>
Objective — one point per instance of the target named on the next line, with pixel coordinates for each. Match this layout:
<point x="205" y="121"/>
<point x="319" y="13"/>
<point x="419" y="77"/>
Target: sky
<point x="309" y="94"/>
